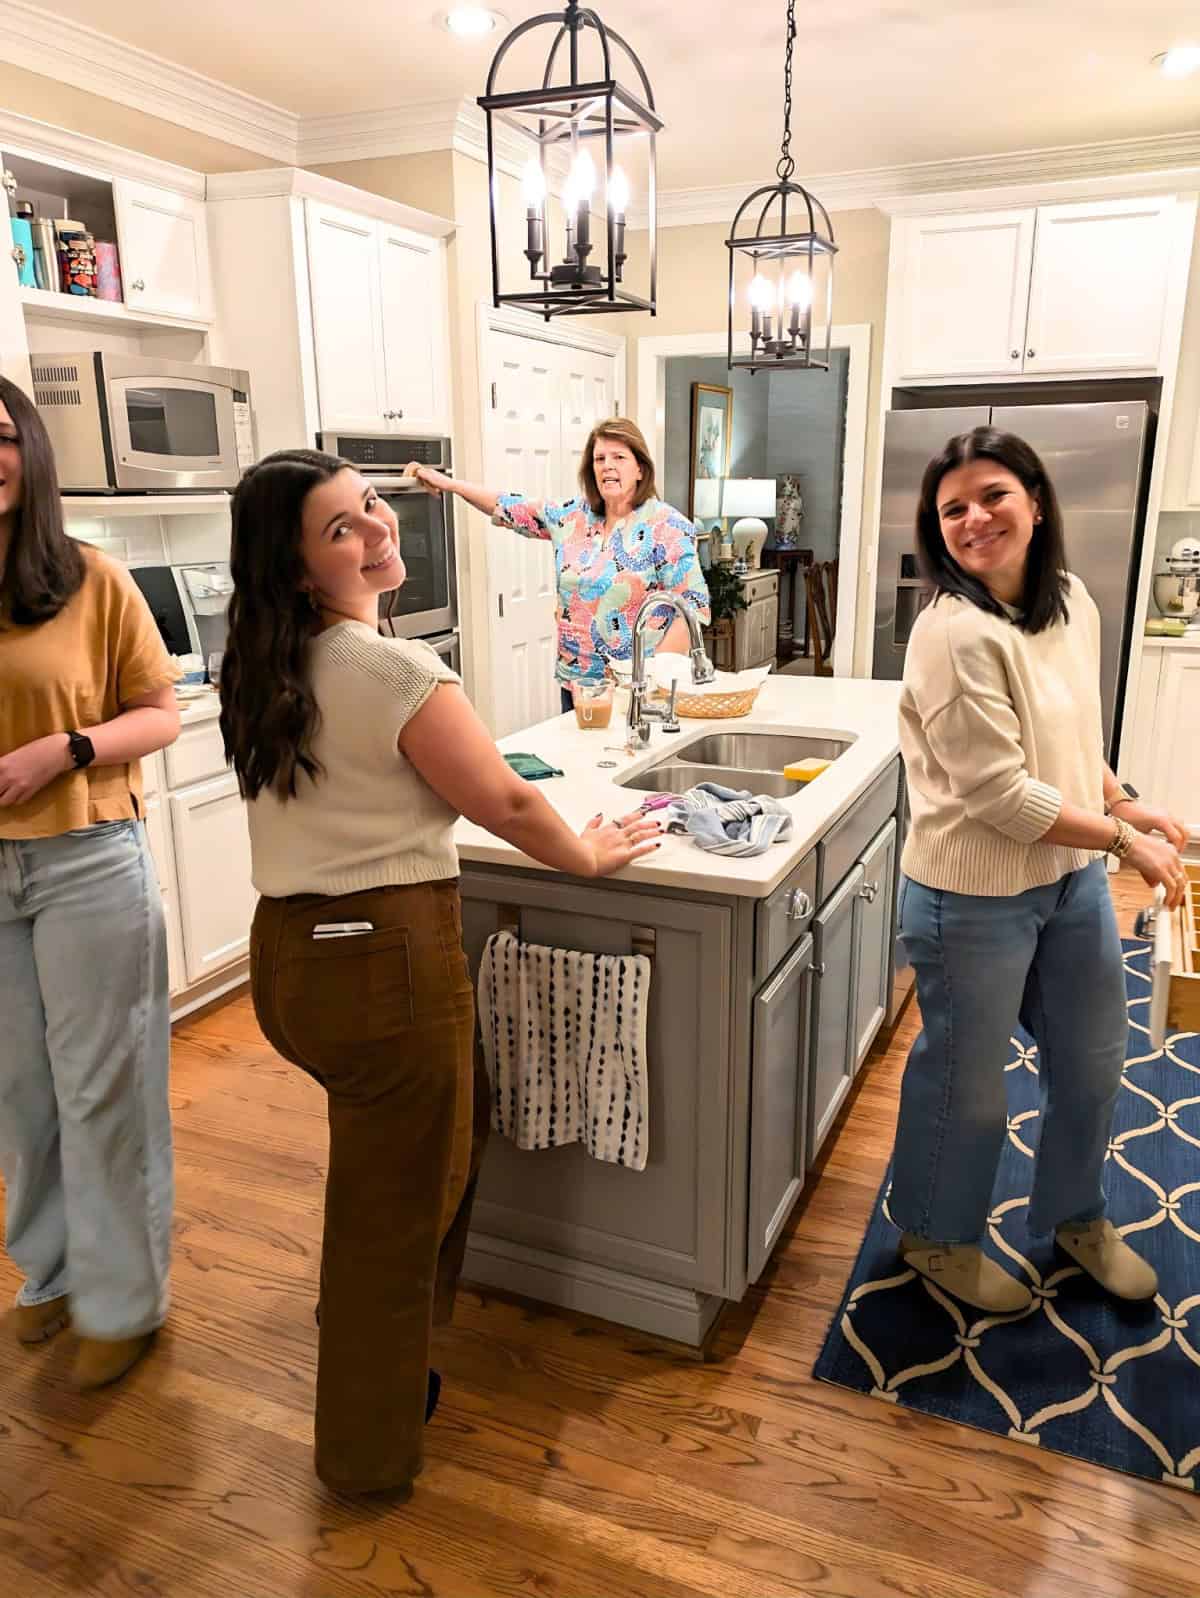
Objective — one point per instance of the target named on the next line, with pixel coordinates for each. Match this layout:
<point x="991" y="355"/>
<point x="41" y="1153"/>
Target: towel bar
<point x="643" y="940"/>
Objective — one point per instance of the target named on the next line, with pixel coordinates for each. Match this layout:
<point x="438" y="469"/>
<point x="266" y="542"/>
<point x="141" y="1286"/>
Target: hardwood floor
<point x="568" y="1459"/>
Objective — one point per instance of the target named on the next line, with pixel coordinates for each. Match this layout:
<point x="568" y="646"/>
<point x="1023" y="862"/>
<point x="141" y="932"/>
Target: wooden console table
<point x="788" y="563"/>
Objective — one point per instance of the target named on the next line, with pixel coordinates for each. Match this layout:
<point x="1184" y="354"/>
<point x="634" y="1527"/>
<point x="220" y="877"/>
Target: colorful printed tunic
<point x="601" y="586"/>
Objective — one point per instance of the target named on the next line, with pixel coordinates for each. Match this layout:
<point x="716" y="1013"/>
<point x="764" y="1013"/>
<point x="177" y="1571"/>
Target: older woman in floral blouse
<point x="613" y="545"/>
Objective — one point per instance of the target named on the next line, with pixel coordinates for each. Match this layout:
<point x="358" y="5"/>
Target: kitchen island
<point x="770" y="977"/>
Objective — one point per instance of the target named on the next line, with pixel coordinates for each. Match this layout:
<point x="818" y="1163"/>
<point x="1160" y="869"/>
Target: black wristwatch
<point x="1128" y="791"/>
<point x="82" y="749"/>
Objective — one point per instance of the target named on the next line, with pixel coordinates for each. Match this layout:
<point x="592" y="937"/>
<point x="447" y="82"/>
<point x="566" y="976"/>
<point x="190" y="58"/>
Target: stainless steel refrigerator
<point x="1096" y="456"/>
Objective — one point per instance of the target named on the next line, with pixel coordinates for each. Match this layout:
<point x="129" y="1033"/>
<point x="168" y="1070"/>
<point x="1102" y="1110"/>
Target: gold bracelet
<point x="1122" y="839"/>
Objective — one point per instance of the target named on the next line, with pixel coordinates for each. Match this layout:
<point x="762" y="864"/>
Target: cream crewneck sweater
<point x="371" y="820"/>
<point x="998" y="727"/>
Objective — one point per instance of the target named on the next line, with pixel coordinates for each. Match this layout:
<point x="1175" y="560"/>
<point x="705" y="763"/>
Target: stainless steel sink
<point x="759" y="751"/>
<point x="676" y="776"/>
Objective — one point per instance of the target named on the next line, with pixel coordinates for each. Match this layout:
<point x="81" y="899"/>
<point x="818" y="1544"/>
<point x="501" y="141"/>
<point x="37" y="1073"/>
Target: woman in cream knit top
<point x="1004" y="906"/>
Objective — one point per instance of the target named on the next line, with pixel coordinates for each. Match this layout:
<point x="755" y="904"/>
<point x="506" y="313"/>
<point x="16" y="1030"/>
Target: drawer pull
<point x="800" y="906"/>
<point x="868" y="891"/>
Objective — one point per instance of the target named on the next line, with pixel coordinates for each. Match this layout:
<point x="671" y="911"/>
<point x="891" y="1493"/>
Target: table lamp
<point x="749" y="499"/>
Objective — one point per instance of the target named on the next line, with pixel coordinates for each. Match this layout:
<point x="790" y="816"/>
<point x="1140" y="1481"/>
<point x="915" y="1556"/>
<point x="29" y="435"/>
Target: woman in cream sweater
<point x="357" y="754"/>
<point x="1004" y="903"/>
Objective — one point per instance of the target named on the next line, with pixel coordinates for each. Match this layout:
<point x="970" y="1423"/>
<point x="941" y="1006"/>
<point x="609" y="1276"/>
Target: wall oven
<point x="427" y="604"/>
<point x="126" y="423"/>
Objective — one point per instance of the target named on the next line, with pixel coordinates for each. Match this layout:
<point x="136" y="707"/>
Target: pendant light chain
<point x="785" y="165"/>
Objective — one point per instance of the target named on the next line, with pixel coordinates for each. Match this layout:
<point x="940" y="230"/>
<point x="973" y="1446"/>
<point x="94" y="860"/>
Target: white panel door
<point x="1099" y="285"/>
<point x="589" y="382"/>
<point x="966" y="288"/>
<point x="343" y="274"/>
<point x="1176" y="783"/>
<point x="164" y="250"/>
<point x="212" y="864"/>
<point x="524" y="455"/>
<point x="412" y="296"/>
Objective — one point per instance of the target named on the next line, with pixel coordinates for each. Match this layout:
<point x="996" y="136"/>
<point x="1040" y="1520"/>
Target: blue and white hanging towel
<point x="564" y="1037"/>
<point x="729" y="820"/>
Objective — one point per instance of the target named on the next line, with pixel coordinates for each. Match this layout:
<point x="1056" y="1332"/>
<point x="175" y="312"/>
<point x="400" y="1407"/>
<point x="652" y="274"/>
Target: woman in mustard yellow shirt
<point x="85" y="1132"/>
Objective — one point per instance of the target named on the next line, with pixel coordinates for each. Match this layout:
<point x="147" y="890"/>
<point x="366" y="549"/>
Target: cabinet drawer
<point x="783" y="918"/>
<point x="761" y="586"/>
<point x="849" y="837"/>
<point x="196" y="754"/>
<point x="1175" y="966"/>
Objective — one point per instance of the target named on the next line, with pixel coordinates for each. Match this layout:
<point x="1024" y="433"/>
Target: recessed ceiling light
<point x="1180" y="61"/>
<point x="471" y="22"/>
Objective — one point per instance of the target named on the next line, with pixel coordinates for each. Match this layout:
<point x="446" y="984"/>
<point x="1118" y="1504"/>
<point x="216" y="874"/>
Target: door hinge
<point x="495" y="398"/>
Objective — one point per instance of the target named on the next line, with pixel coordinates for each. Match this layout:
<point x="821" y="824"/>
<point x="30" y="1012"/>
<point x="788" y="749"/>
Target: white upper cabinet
<point x="1099" y="285"/>
<point x="379" y="323"/>
<point x="412" y="298"/>
<point x="164" y="250"/>
<point x="1051" y="289"/>
<point x="966" y="289"/>
<point x="343" y="275"/>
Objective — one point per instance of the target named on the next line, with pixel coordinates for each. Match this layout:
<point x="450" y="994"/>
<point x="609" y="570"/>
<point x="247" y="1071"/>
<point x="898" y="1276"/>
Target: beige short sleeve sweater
<point x="371" y="820"/>
<point x="998" y="728"/>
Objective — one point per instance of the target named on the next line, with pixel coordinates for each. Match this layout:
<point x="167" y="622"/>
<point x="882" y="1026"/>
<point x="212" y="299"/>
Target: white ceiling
<point x="876" y="83"/>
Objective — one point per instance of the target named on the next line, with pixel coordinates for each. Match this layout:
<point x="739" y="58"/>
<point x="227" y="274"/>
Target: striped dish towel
<point x="564" y="1037"/>
<point x="727" y="820"/>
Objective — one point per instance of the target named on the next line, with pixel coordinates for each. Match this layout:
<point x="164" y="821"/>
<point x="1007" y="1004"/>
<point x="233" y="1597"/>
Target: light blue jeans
<point x="1051" y="958"/>
<point x="85" y="1125"/>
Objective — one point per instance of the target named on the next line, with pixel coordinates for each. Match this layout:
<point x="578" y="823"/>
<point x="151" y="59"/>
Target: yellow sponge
<point x="805" y="770"/>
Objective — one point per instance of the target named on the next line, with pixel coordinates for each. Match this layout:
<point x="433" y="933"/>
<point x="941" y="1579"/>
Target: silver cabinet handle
<point x="868" y="891"/>
<point x="1016" y="355"/>
<point x="1030" y="352"/>
<point x="138" y="283"/>
<point x="799" y="905"/>
<point x="393" y="416"/>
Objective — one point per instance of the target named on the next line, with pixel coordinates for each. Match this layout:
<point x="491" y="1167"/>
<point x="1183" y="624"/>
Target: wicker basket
<point x="716" y="707"/>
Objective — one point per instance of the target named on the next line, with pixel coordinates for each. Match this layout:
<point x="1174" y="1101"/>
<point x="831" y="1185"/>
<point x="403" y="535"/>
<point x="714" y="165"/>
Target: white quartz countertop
<point x="1190" y="640"/>
<point x="204" y="707"/>
<point x="821" y="707"/>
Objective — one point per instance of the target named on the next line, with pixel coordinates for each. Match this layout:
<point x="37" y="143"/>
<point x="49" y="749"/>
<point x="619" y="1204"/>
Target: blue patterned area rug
<point x="1079" y="1373"/>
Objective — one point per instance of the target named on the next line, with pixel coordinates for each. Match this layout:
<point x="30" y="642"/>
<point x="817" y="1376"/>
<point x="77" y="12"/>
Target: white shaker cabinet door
<point x="159" y="839"/>
<point x="1177" y="764"/>
<point x="343" y="275"/>
<point x="966" y="289"/>
<point x="164" y="250"/>
<point x="212" y="862"/>
<point x="1099" y="285"/>
<point x="412" y="294"/>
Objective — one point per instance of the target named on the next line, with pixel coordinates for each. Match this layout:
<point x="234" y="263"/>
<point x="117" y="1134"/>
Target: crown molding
<point x="87" y="59"/>
<point x="20" y="135"/>
<point x="289" y="182"/>
<point x="1166" y="161"/>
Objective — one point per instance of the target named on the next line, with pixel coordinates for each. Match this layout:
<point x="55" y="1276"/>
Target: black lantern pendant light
<point x="574" y="118"/>
<point x="787" y="267"/>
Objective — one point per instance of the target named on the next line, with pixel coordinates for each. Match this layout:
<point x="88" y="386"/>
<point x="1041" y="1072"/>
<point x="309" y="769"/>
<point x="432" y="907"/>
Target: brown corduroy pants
<point x="385" y="1023"/>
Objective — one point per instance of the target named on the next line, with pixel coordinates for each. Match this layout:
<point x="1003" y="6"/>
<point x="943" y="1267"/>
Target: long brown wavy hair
<point x="622" y="431"/>
<point x="45" y="566"/>
<point x="269" y="713"/>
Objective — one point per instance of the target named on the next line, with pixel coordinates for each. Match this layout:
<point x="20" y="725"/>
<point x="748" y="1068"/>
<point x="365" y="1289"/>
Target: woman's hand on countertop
<point x="615" y="843"/>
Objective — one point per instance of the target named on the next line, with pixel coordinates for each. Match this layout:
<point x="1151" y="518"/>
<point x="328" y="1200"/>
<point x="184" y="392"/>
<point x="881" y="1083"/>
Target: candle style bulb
<point x="618" y="192"/>
<point x="533" y="184"/>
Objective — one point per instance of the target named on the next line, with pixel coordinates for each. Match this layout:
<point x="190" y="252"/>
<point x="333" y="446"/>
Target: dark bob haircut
<point x="1044" y="600"/>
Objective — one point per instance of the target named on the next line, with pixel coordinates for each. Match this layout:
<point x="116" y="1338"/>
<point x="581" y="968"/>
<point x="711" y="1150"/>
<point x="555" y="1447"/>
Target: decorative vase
<point x="789" y="515"/>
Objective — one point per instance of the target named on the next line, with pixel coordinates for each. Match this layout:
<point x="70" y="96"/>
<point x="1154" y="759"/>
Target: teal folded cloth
<point x="532" y="767"/>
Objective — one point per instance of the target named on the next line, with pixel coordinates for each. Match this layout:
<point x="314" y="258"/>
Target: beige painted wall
<point x="426" y="181"/>
<point x="31" y="95"/>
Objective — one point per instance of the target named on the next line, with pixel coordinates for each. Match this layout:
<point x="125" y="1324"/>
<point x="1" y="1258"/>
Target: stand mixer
<point x="1177" y="590"/>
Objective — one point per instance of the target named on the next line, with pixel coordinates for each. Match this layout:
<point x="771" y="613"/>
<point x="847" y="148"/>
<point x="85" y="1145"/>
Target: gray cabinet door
<point x="778" y="1103"/>
<point x="668" y="1221"/>
<point x="833" y="1008"/>
<point x="874" y="935"/>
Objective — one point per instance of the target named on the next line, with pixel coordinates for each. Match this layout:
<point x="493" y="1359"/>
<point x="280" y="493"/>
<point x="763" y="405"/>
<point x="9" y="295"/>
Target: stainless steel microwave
<point x="126" y="423"/>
